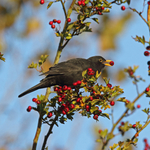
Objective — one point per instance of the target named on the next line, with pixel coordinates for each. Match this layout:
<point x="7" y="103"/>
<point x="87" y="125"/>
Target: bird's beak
<point x="106" y="63"/>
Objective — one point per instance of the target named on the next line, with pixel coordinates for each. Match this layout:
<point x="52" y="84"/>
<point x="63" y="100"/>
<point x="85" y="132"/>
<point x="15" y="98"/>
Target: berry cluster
<point x="82" y="2"/>
<point x="54" y="21"/>
<point x="147" y="146"/>
<point x="90" y="72"/>
<point x="99" y="10"/>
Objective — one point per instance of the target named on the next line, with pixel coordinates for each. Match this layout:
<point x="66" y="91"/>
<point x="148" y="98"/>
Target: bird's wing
<point x="77" y="64"/>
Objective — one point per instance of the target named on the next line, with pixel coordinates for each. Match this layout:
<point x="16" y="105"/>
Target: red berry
<point x="51" y="22"/>
<point x="100" y="111"/>
<point x="112" y="103"/>
<point x="55" y="88"/>
<point x="111" y="63"/>
<point x="59" y="99"/>
<point x="34" y="99"/>
<point x="148" y="2"/>
<point x="146" y="53"/>
<point x="91" y="98"/>
<point x="99" y="131"/>
<point x="60" y="87"/>
<point x="83" y="3"/>
<point x="68" y="20"/>
<point x="122" y="123"/>
<point x="78" y="82"/>
<point x="72" y="106"/>
<point x="69" y="88"/>
<point x="102" y="8"/>
<point x="63" y="112"/>
<point x="138" y="106"/>
<point x="130" y="72"/>
<point x="42" y="2"/>
<point x="109" y="85"/>
<point x="58" y="21"/>
<point x="65" y="87"/>
<point x="90" y="69"/>
<point x="127" y="102"/>
<point x="29" y="108"/>
<point x="52" y="26"/>
<point x="148" y="47"/>
<point x="78" y="100"/>
<point x="88" y="109"/>
<point x="79" y="3"/>
<point x="49" y="115"/>
<point x="99" y="13"/>
<point x="66" y="109"/>
<point x="87" y="106"/>
<point x="75" y="84"/>
<point x="64" y="105"/>
<point x="96" y="8"/>
<point x="134" y="126"/>
<point x="54" y="20"/>
<point x="38" y="102"/>
<point x="123" y="7"/>
<point x="145" y="140"/>
<point x="95" y="117"/>
<point x="147" y="89"/>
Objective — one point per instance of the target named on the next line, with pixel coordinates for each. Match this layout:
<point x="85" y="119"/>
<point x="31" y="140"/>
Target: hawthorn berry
<point x="54" y="20"/>
<point x="138" y="106"/>
<point x="52" y="26"/>
<point x="65" y="87"/>
<point x="95" y="117"/>
<point x="59" y="99"/>
<point x="90" y="69"/>
<point x="79" y="3"/>
<point x="78" y="82"/>
<point x="75" y="84"/>
<point x="69" y="88"/>
<point x="148" y="62"/>
<point x="100" y="111"/>
<point x="112" y="103"/>
<point x="102" y="8"/>
<point x="88" y="109"/>
<point x="111" y="63"/>
<point x="49" y="115"/>
<point x="63" y="112"/>
<point x="78" y="100"/>
<point x="34" y="99"/>
<point x="145" y="140"/>
<point x="58" y="21"/>
<point x="99" y="131"/>
<point x="99" y="13"/>
<point x="87" y="106"/>
<point x="90" y="73"/>
<point x="60" y="87"/>
<point x="148" y="2"/>
<point x="38" y="102"/>
<point x="42" y="2"/>
<point x="68" y="20"/>
<point x="122" y="123"/>
<point x="51" y="22"/>
<point x="66" y="109"/>
<point x="83" y="3"/>
<point x="91" y="98"/>
<point x="147" y="89"/>
<point x="55" y="88"/>
<point x="134" y="126"/>
<point x="64" y="105"/>
<point x="146" y="53"/>
<point x="123" y="7"/>
<point x="109" y="85"/>
<point x="130" y="72"/>
<point x="29" y="108"/>
<point x="72" y="106"/>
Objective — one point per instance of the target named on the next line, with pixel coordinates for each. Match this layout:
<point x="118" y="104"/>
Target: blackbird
<point x="68" y="72"/>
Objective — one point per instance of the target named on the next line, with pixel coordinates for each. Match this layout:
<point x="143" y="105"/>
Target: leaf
<point x="84" y="73"/>
<point x="70" y="26"/>
<point x="128" y="1"/>
<point x="96" y="20"/>
<point x="49" y="5"/>
<point x="106" y="80"/>
<point x="146" y="110"/>
<point x="105" y="115"/>
<point x="104" y="133"/>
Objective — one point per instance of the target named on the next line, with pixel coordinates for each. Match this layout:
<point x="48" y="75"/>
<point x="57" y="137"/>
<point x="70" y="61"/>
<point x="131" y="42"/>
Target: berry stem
<point x="37" y="133"/>
<point x="49" y="132"/>
<point x="64" y="9"/>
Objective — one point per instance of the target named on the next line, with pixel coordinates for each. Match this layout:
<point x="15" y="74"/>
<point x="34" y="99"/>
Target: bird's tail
<point x="34" y="88"/>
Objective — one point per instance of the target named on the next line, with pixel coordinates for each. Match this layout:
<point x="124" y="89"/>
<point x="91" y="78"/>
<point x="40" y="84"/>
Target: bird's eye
<point x="100" y="60"/>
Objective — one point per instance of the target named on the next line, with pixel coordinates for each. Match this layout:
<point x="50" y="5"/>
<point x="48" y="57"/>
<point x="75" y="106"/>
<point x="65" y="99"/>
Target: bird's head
<point x="99" y="62"/>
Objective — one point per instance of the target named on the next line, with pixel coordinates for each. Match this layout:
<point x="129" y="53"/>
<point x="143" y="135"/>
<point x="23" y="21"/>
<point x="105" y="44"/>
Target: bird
<point x="68" y="72"/>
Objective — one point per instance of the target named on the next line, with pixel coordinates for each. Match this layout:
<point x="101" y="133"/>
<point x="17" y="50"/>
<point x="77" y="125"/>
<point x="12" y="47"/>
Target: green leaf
<point x="80" y="17"/>
<point x="104" y="133"/>
<point x="49" y="5"/>
<point x="98" y="140"/>
<point x="96" y="20"/>
<point x="84" y="73"/>
<point x="70" y="26"/>
<point x="146" y="110"/>
<point x="128" y="1"/>
<point x="106" y="80"/>
<point x="32" y="65"/>
<point x="105" y="115"/>
<point x="68" y="37"/>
